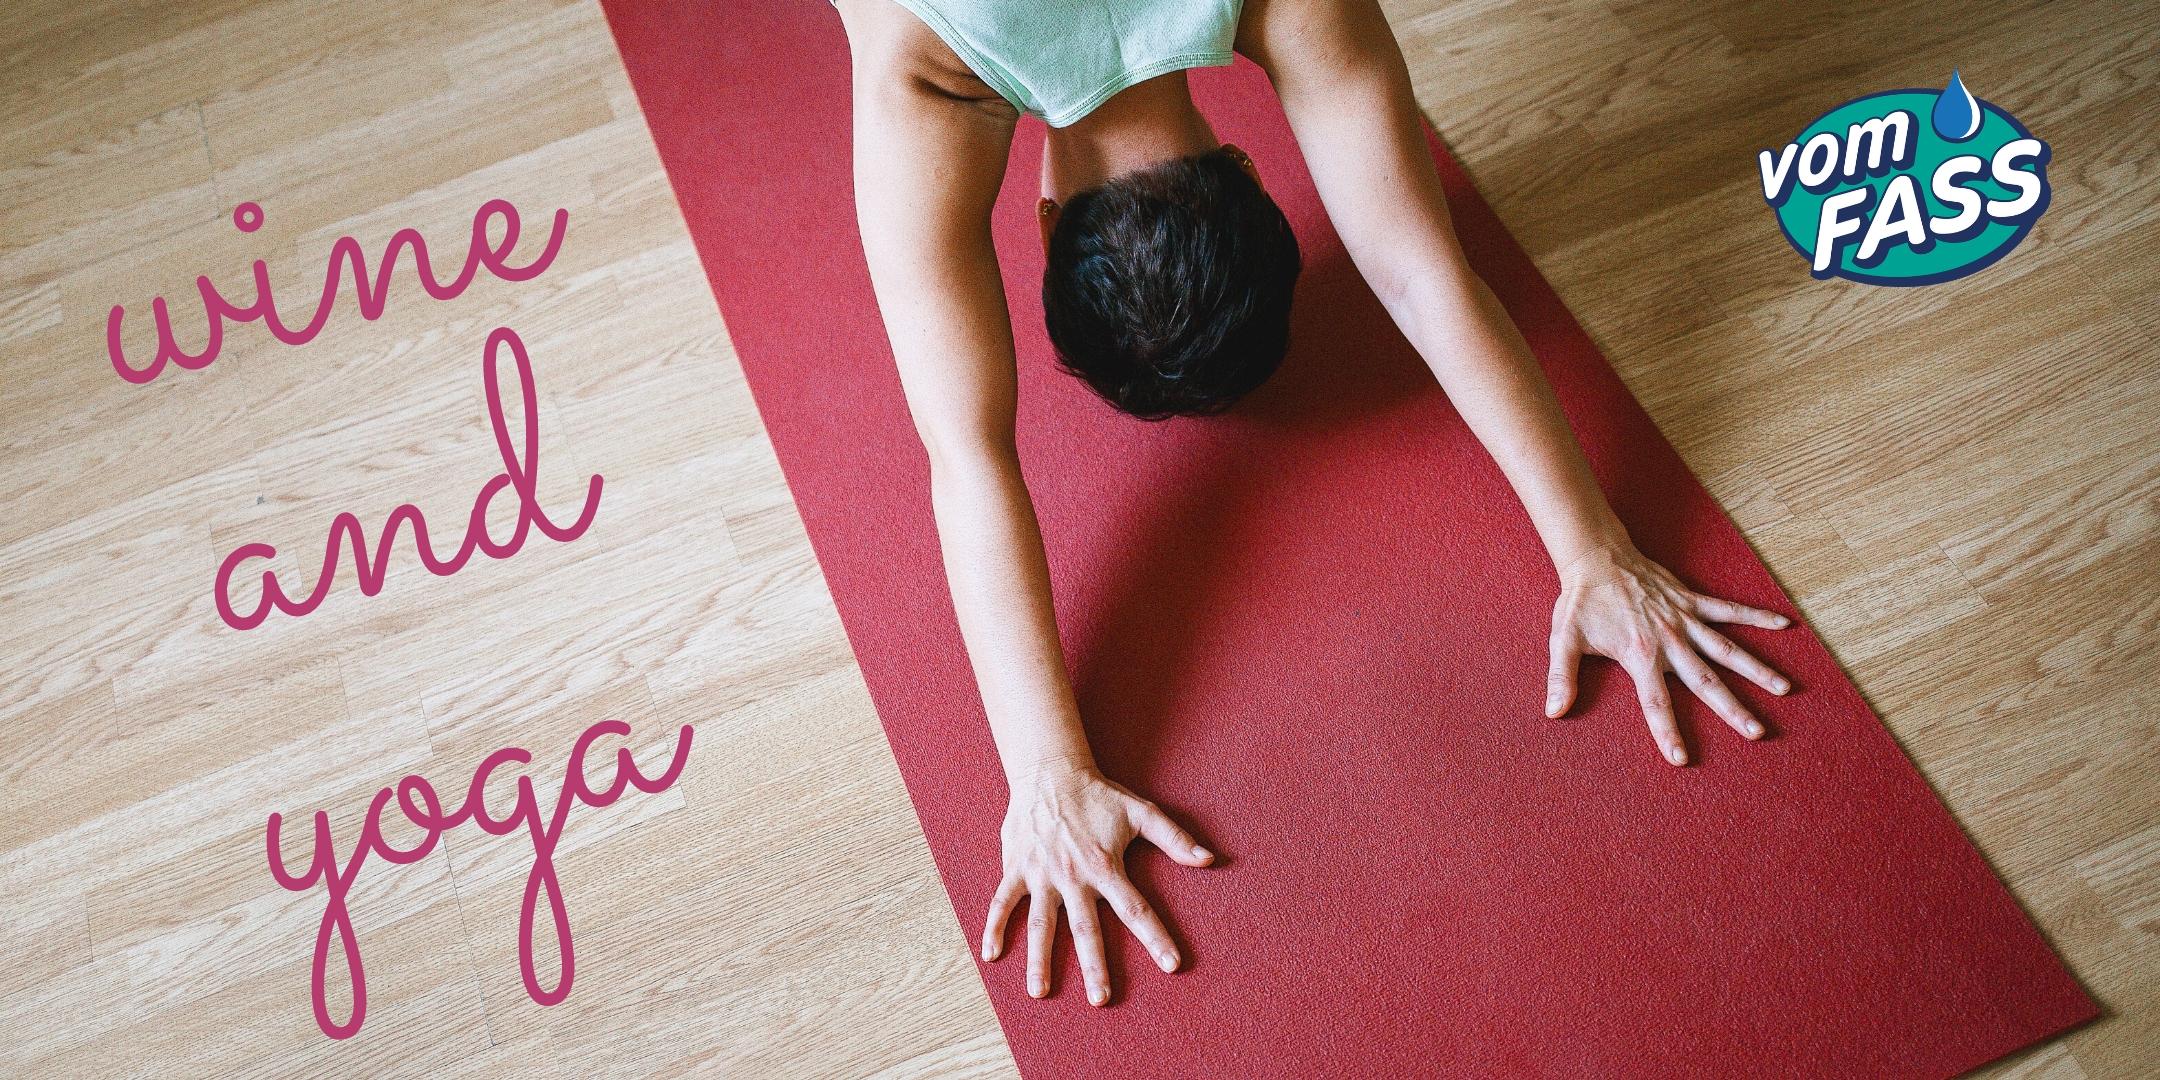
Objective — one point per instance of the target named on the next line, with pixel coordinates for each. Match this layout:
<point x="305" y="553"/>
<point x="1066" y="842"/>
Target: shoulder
<point x="896" y="56"/>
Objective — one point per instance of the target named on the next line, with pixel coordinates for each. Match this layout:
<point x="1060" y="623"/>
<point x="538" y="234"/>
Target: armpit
<point x="893" y="47"/>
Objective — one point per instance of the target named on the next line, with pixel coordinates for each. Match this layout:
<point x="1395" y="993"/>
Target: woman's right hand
<point x="1065" y="836"/>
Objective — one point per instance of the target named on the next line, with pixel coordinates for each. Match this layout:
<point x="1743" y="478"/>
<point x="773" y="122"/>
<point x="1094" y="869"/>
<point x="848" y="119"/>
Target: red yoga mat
<point x="1314" y="630"/>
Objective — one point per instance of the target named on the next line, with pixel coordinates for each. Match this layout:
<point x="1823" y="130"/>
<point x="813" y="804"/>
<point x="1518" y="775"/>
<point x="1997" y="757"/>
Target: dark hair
<point x="1168" y="289"/>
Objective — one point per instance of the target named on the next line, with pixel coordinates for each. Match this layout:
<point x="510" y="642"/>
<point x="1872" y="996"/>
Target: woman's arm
<point x="1347" y="93"/>
<point x="928" y="165"/>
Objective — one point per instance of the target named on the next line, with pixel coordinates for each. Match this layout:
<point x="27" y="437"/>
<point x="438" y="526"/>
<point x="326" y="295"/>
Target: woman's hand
<point x="1065" y="838"/>
<point x="1618" y="604"/>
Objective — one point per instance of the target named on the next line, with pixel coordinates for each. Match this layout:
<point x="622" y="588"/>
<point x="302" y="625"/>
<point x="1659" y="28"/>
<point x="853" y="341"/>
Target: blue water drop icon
<point x="1957" y="115"/>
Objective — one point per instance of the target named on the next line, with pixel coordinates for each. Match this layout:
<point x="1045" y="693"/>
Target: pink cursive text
<point x="417" y="800"/>
<point x="373" y="295"/>
<point x="520" y="473"/>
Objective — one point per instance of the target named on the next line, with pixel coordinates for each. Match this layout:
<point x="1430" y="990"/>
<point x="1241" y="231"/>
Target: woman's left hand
<point x="1616" y="603"/>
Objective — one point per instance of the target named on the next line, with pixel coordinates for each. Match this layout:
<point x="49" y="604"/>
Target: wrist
<point x="1049" y="769"/>
<point x="1584" y="553"/>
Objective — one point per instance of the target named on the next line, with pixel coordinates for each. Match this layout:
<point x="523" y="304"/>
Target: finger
<point x="1560" y="677"/>
<point x="1008" y="896"/>
<point x="1716" y="610"/>
<point x="1720" y="648"/>
<point x="1042" y="931"/>
<point x="1087" y="941"/>
<point x="1649" y="679"/>
<point x="1139" y="916"/>
<point x="1165" y="834"/>
<point x="1712" y="690"/>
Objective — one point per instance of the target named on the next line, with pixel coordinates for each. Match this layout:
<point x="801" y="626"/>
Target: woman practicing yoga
<point x="1167" y="288"/>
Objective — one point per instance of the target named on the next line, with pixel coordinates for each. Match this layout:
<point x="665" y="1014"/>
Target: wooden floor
<point x="1960" y="485"/>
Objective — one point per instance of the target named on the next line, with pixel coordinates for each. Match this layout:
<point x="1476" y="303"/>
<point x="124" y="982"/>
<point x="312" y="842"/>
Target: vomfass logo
<point x="1907" y="187"/>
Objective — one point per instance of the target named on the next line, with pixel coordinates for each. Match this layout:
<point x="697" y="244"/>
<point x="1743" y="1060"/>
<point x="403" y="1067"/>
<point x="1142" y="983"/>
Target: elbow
<point x="1445" y="291"/>
<point x="1414" y="275"/>
<point x="965" y="453"/>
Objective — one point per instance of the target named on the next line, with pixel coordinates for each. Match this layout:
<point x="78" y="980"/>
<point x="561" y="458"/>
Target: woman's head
<point x="1168" y="289"/>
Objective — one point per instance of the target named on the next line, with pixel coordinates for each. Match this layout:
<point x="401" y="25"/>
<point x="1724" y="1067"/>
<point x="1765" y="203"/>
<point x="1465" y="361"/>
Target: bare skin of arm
<point x="929" y="157"/>
<point x="1347" y="93"/>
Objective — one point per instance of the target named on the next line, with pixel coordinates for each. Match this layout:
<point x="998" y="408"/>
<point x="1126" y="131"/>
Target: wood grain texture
<point x="1960" y="485"/>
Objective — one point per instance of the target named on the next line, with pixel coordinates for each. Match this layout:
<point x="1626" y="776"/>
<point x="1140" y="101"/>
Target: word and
<point x="419" y="803"/>
<point x="1868" y="193"/>
<point x="345" y="251"/>
<point x="521" y="468"/>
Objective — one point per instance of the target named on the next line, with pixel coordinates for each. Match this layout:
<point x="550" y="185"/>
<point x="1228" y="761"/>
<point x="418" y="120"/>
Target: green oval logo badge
<point x="1907" y="187"/>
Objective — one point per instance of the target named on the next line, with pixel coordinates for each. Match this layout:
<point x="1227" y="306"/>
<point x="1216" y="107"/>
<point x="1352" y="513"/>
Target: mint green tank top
<point x="1059" y="59"/>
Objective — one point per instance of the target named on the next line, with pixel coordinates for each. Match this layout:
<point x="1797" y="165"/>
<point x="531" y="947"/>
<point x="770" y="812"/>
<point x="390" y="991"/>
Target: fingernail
<point x="1199" y="852"/>
<point x="1754" y="730"/>
<point x="1097" y="997"/>
<point x="1676" y="755"/>
<point x="1167" y="961"/>
<point x="1781" y="686"/>
<point x="1783" y="622"/>
<point x="1035" y="988"/>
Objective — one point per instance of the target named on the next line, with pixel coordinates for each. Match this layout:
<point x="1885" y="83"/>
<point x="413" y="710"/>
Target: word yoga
<point x="419" y="803"/>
